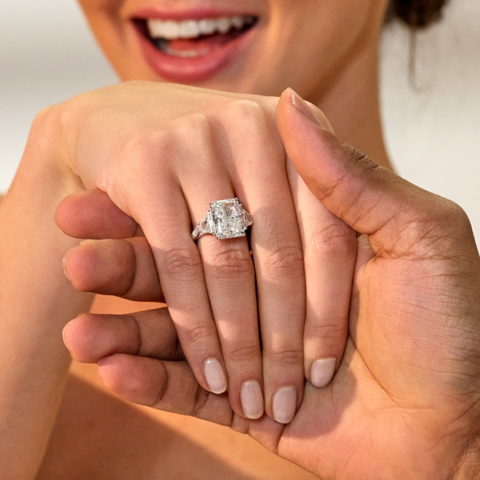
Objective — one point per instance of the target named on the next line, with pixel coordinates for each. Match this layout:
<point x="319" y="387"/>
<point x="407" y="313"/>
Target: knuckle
<point x="47" y="126"/>
<point x="336" y="240"/>
<point x="147" y="146"/>
<point x="248" y="115"/>
<point x="190" y="124"/>
<point x="229" y="262"/>
<point x="362" y="161"/>
<point x="245" y="353"/>
<point x="286" y="356"/>
<point x="198" y="336"/>
<point x="327" y="331"/>
<point x="182" y="263"/>
<point x="284" y="260"/>
<point x="245" y="110"/>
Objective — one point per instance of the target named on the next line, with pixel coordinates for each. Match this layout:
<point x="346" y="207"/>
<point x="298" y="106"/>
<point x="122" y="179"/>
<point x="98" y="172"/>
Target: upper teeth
<point x="171" y="30"/>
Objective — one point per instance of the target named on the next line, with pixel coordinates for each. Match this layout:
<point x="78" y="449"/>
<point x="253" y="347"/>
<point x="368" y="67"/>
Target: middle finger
<point x="261" y="178"/>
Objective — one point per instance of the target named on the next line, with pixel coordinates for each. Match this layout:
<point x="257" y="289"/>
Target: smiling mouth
<point x="194" y="38"/>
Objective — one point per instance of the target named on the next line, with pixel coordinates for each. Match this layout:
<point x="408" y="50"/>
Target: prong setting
<point x="225" y="219"/>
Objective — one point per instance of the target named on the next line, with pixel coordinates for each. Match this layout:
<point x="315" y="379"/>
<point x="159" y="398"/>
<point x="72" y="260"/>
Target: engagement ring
<point x="224" y="219"/>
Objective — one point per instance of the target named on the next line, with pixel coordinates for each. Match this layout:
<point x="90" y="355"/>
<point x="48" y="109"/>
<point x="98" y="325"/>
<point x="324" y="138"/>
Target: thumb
<point x="369" y="198"/>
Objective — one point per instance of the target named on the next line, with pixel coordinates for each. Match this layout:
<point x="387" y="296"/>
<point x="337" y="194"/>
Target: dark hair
<point x="416" y="13"/>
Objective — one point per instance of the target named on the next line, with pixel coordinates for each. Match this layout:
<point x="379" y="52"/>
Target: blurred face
<point x="247" y="46"/>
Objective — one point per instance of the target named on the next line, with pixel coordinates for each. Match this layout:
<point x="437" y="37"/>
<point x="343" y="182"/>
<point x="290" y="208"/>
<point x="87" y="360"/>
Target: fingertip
<point x="62" y="214"/>
<point x="84" y="339"/>
<point x="309" y="111"/>
<point x="73" y="339"/>
<point x="101" y="266"/>
<point x="70" y="336"/>
<point x="322" y="372"/>
<point x="107" y="368"/>
<point x="105" y="362"/>
<point x="64" y="265"/>
<point x="80" y="267"/>
<point x="65" y="335"/>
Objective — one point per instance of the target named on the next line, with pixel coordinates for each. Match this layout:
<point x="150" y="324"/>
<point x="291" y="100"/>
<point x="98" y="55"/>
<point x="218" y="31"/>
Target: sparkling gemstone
<point x="226" y="219"/>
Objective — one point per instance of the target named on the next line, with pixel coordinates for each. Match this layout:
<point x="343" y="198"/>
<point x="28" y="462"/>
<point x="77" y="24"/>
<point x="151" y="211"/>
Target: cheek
<point x="101" y="14"/>
<point x="92" y="5"/>
<point x="318" y="35"/>
<point x="107" y="25"/>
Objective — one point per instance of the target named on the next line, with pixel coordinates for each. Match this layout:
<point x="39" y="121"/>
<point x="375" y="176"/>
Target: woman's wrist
<point x="37" y="301"/>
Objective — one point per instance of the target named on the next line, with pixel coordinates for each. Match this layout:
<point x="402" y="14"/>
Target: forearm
<point x="36" y="301"/>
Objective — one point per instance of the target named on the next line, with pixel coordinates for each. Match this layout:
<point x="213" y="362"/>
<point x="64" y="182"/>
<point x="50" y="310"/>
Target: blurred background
<point x="432" y="122"/>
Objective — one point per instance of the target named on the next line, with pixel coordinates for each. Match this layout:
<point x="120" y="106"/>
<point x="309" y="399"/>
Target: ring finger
<point x="230" y="280"/>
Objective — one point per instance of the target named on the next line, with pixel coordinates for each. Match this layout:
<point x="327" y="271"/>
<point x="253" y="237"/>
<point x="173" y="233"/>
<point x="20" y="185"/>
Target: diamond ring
<point x="224" y="219"/>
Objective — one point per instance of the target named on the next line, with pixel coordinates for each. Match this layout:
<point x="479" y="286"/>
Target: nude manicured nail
<point x="322" y="371"/>
<point x="252" y="399"/>
<point x="64" y="264"/>
<point x="65" y="328"/>
<point x="285" y="404"/>
<point x="302" y="106"/>
<point x="215" y="376"/>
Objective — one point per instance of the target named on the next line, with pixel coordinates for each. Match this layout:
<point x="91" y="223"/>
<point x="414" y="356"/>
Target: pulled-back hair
<point x="416" y="13"/>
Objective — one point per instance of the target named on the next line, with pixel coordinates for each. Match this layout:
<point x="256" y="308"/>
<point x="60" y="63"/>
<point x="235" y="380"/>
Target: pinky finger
<point x="330" y="255"/>
<point x="167" y="386"/>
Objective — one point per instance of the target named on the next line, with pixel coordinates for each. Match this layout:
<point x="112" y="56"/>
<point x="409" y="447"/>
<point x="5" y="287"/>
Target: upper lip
<point x="186" y="14"/>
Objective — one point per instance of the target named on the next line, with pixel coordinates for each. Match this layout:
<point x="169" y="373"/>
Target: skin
<point x="346" y="88"/>
<point x="326" y="51"/>
<point x="351" y="69"/>
<point x="417" y="269"/>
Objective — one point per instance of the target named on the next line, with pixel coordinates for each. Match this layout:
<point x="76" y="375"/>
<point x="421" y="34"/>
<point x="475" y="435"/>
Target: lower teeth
<point x="163" y="46"/>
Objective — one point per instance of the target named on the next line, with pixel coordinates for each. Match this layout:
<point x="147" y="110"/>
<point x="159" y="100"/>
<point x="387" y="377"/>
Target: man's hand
<point x="404" y="403"/>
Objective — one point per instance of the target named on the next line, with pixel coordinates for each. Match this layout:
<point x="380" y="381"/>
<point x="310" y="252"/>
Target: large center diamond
<point x="228" y="219"/>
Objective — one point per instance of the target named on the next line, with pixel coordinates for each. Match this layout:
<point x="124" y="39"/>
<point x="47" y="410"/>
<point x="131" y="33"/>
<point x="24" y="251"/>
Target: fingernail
<point x="64" y="264"/>
<point x="65" y="328"/>
<point x="301" y="105"/>
<point x="215" y="376"/>
<point x="285" y="404"/>
<point x="105" y="361"/>
<point x="322" y="371"/>
<point x="252" y="399"/>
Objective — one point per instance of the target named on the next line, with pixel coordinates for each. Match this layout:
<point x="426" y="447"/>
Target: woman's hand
<point x="162" y="153"/>
<point x="404" y="403"/>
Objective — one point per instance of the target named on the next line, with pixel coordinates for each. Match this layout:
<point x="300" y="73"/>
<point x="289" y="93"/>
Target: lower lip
<point x="178" y="69"/>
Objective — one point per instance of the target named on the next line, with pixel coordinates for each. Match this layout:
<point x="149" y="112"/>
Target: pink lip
<point x="192" y="14"/>
<point x="176" y="69"/>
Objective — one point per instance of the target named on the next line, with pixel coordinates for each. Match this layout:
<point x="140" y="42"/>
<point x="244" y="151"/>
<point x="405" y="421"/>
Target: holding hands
<point x="404" y="402"/>
<point x="162" y="153"/>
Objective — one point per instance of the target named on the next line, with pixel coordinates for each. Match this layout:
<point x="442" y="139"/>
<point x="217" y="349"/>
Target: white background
<point x="47" y="55"/>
